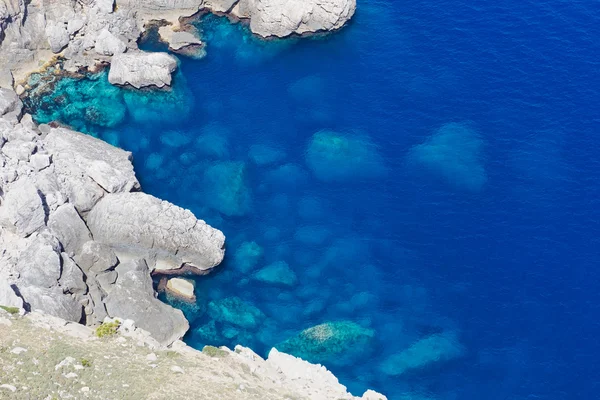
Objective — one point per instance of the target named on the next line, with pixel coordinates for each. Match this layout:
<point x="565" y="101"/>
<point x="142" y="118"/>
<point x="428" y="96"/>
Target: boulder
<point x="130" y="300"/>
<point x="137" y="225"/>
<point x="10" y="104"/>
<point x="141" y="69"/>
<point x="52" y="301"/>
<point x="96" y="257"/>
<point x="108" y="44"/>
<point x="39" y="264"/>
<point x="69" y="228"/>
<point x="281" y="18"/>
<point x="71" y="279"/>
<point x="58" y="36"/>
<point x="84" y="165"/>
<point x="182" y="289"/>
<point x="8" y="297"/>
<point x="22" y="210"/>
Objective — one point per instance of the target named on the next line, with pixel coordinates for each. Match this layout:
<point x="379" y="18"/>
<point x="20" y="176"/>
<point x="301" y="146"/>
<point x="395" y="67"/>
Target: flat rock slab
<point x="141" y="69"/>
<point x="182" y="289"/>
<point x="137" y="225"/>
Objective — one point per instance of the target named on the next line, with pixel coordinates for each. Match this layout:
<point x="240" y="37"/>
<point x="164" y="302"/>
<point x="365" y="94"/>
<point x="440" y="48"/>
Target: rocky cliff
<point x="49" y="358"/>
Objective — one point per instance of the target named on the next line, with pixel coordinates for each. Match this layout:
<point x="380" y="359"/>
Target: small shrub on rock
<point x="214" y="352"/>
<point x="108" y="329"/>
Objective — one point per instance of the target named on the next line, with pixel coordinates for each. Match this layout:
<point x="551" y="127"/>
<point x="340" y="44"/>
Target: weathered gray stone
<point x="137" y="225"/>
<point x="136" y="271"/>
<point x="130" y="301"/>
<point x="58" y="36"/>
<point x="39" y="264"/>
<point x="71" y="280"/>
<point x="69" y="228"/>
<point x="40" y="161"/>
<point x="141" y="69"/>
<point x="75" y="156"/>
<point x="52" y="301"/>
<point x="8" y="297"/>
<point x="22" y="210"/>
<point x="108" y="44"/>
<point x="106" y="280"/>
<point x="96" y="257"/>
<point x="282" y="18"/>
<point x="10" y="104"/>
<point x="18" y="150"/>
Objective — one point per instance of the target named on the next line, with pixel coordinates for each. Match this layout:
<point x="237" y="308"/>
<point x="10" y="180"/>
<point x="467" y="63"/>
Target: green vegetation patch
<point x="214" y="352"/>
<point x="108" y="329"/>
<point x="11" y="310"/>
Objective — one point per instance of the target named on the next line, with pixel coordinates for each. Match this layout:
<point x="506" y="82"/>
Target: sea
<point x="412" y="201"/>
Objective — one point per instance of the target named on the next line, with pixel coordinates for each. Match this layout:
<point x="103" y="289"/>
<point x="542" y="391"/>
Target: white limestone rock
<point x="71" y="280"/>
<point x="69" y="228"/>
<point x="181" y="288"/>
<point x="281" y="18"/>
<point x="137" y="225"/>
<point x="84" y="165"/>
<point x="39" y="264"/>
<point x="58" y="36"/>
<point x="10" y="104"/>
<point x="40" y="161"/>
<point x="22" y="210"/>
<point x="96" y="257"/>
<point x="108" y="44"/>
<point x="8" y="297"/>
<point x="52" y="301"/>
<point x="142" y="69"/>
<point x="130" y="300"/>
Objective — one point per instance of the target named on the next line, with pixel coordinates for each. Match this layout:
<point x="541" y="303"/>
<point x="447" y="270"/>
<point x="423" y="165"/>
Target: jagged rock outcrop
<point x="141" y="69"/>
<point x="281" y="18"/>
<point x="66" y="206"/>
<point x="137" y="225"/>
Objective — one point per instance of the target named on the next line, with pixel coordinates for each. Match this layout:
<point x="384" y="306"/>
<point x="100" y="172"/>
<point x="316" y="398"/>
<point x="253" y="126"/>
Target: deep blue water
<point x="486" y="228"/>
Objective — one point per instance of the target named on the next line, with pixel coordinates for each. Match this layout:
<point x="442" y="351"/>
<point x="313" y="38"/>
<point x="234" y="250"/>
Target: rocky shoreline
<point x="78" y="239"/>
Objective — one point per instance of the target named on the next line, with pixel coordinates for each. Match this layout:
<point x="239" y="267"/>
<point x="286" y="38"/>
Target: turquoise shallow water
<point x="428" y="175"/>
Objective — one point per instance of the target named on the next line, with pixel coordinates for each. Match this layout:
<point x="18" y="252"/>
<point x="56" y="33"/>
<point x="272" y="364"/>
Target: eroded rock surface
<point x="76" y="242"/>
<point x="137" y="225"/>
<point x="141" y="69"/>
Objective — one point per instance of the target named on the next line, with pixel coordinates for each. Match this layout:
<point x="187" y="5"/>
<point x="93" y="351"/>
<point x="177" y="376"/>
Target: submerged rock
<point x="247" y="255"/>
<point x="141" y="226"/>
<point x="235" y="311"/>
<point x="331" y="343"/>
<point x="141" y="69"/>
<point x="226" y="189"/>
<point x="425" y="352"/>
<point x="278" y="273"/>
<point x="334" y="156"/>
<point x="454" y="153"/>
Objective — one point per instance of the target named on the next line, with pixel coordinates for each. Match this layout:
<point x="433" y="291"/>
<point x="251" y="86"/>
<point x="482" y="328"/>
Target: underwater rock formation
<point x="225" y="188"/>
<point x="425" y="352"/>
<point x="331" y="343"/>
<point x="55" y="203"/>
<point x="278" y="273"/>
<point x="140" y="69"/>
<point x="235" y="311"/>
<point x="334" y="156"/>
<point x="454" y="153"/>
